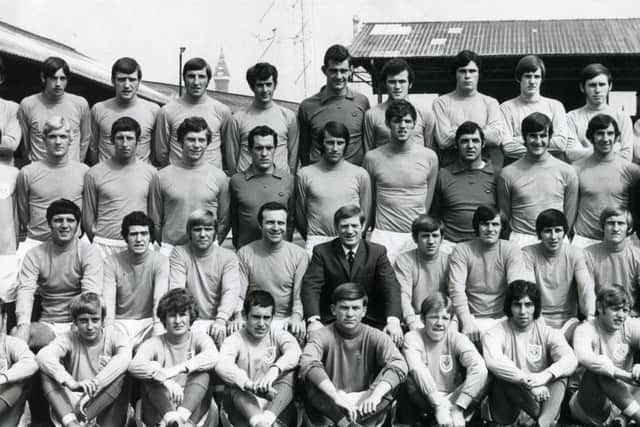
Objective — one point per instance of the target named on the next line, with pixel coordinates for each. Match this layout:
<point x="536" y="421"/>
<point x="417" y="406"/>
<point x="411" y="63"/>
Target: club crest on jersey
<point x="620" y="351"/>
<point x="270" y="355"/>
<point x="5" y="191"/>
<point x="446" y="363"/>
<point x="534" y="352"/>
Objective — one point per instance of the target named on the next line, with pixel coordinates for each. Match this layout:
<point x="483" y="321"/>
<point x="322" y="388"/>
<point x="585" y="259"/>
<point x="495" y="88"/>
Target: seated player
<point x="561" y="272"/>
<point x="446" y="373"/>
<point x="421" y="271"/>
<point x="257" y="365"/>
<point x="17" y="364"/>
<point x="134" y="281"/>
<point x="528" y="359"/>
<point x="349" y="370"/>
<point x="605" y="346"/>
<point x="84" y="370"/>
<point x="174" y="367"/>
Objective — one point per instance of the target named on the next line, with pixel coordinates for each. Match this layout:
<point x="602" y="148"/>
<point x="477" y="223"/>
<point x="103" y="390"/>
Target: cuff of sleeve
<point x="223" y="316"/>
<point x="464" y="400"/>
<point x="62" y="377"/>
<point x="191" y="365"/>
<point x="555" y="371"/>
<point x="392" y="378"/>
<point x="316" y="375"/>
<point x="393" y="319"/>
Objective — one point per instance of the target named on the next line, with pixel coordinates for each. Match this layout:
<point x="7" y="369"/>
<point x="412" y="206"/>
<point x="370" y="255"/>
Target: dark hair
<point x="536" y="122"/>
<point x="258" y="298"/>
<point x="612" y="296"/>
<point x="336" y="53"/>
<point x="485" y="213"/>
<point x="193" y="124"/>
<point x="177" y="300"/>
<point x="125" y="65"/>
<point x="463" y="58"/>
<point x="63" y="206"/>
<point x="337" y="130"/>
<point x="593" y="70"/>
<point x="610" y="211"/>
<point x="136" y="218"/>
<point x="270" y="206"/>
<point x="52" y="64"/>
<point x="261" y="71"/>
<point x="196" y="64"/>
<point x="529" y="64"/>
<point x="395" y="66"/>
<point x="519" y="289"/>
<point x="348" y="291"/>
<point x="436" y="301"/>
<point x="551" y="218"/>
<point x="87" y="303"/>
<point x="261" y="131"/>
<point x="399" y="108"/>
<point x="348" y="211"/>
<point x="469" y="128"/>
<point x="125" y="124"/>
<point x="426" y="223"/>
<point x="599" y="122"/>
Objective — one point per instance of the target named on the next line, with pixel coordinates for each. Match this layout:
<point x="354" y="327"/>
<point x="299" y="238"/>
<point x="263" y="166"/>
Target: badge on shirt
<point x="4" y="365"/>
<point x="446" y="363"/>
<point x="620" y="351"/>
<point x="270" y="355"/>
<point x="5" y="190"/>
<point x="534" y="352"/>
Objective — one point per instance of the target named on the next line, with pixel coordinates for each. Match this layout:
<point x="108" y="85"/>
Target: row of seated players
<point x="348" y="373"/>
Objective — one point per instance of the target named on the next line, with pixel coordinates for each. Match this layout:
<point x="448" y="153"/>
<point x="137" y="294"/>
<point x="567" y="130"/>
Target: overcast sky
<point x="153" y="30"/>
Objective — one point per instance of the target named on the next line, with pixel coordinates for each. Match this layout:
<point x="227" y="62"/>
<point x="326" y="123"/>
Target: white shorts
<point x="583" y="242"/>
<point x="108" y="247"/>
<point x="485" y="324"/>
<point x="137" y="330"/>
<point x="59" y="328"/>
<point x="25" y="247"/>
<point x="9" y="268"/>
<point x="522" y="239"/>
<point x="312" y="241"/>
<point x="201" y="325"/>
<point x="396" y="243"/>
<point x="447" y="246"/>
<point x="166" y="249"/>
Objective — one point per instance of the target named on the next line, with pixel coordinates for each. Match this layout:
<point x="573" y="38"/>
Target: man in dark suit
<point x="349" y="258"/>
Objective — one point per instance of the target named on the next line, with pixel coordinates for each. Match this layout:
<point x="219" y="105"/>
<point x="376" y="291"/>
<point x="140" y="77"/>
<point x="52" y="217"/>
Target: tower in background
<point x="221" y="76"/>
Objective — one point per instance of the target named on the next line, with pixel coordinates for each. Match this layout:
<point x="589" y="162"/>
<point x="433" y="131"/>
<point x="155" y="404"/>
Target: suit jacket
<point x="371" y="269"/>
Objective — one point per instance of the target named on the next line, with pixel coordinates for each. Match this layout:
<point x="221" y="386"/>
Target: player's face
<point x="63" y="228"/>
<point x="537" y="143"/>
<point x="126" y="85"/>
<point x="349" y="313"/>
<point x="552" y="238"/>
<point x="55" y="85"/>
<point x="196" y="82"/>
<point x="337" y="74"/>
<point x="262" y="152"/>
<point x="470" y="146"/>
<point x="522" y="312"/>
<point x="124" y="143"/>
<point x="57" y="143"/>
<point x="603" y="140"/>
<point x="467" y="77"/>
<point x="612" y="318"/>
<point x="202" y="236"/>
<point x="138" y="239"/>
<point x="263" y="90"/>
<point x="436" y="323"/>
<point x="259" y="321"/>
<point x="89" y="326"/>
<point x="274" y="225"/>
<point x="178" y="324"/>
<point x="489" y="231"/>
<point x="530" y="83"/>
<point x="334" y="147"/>
<point x="615" y="229"/>
<point x="596" y="90"/>
<point x="429" y="242"/>
<point x="398" y="85"/>
<point x="194" y="145"/>
<point x="350" y="231"/>
<point x="401" y="128"/>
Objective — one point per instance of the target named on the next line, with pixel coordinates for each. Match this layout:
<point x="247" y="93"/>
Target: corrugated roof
<point x="24" y="44"/>
<point x="498" y="38"/>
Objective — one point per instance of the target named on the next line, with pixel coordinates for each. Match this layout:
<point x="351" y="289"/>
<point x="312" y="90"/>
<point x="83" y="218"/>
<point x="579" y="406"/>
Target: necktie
<point x="350" y="258"/>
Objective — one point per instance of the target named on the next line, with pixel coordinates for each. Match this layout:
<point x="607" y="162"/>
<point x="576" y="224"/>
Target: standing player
<point x="10" y="132"/>
<point x="263" y="111"/>
<point x="397" y="77"/>
<point x="9" y="262"/>
<point x="36" y="109"/>
<point x="115" y="187"/>
<point x="125" y="77"/>
<point x="335" y="102"/>
<point x="403" y="176"/>
<point x="196" y="74"/>
<point x="325" y="186"/>
<point x="463" y="104"/>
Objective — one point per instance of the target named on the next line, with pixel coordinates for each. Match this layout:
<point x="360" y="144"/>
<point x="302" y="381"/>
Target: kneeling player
<point x="257" y="365"/>
<point x="174" y="367"/>
<point x="446" y="372"/>
<point x="529" y="360"/>
<point x="84" y="370"/>
<point x="605" y="346"/>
